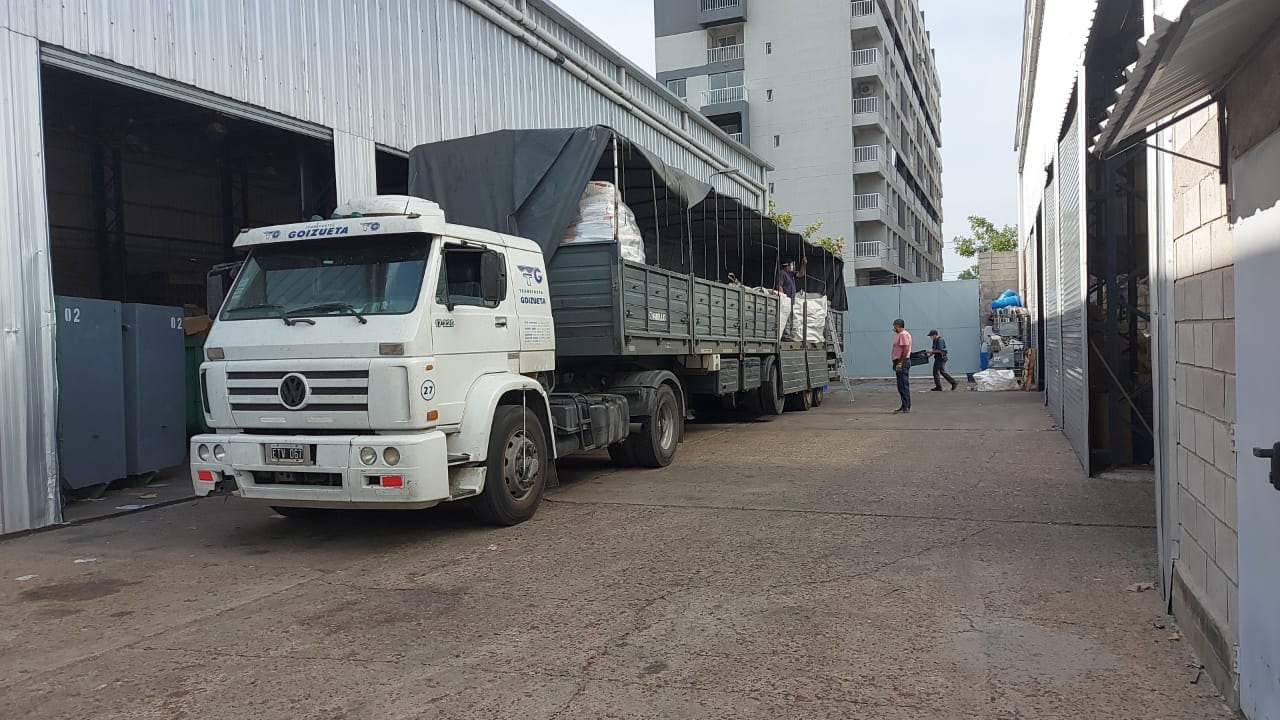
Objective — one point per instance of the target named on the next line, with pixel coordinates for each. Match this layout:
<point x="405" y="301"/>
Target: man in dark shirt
<point x="786" y="284"/>
<point x="787" y="281"/>
<point x="939" y="353"/>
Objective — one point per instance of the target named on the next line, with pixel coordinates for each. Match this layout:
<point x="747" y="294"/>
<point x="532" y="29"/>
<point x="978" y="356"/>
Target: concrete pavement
<point x="841" y="563"/>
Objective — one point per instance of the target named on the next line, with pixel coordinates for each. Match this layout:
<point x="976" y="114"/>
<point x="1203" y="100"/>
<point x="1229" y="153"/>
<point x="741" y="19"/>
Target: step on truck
<point x="393" y="357"/>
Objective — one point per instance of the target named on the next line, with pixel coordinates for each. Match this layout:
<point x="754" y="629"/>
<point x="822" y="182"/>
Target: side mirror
<point x="493" y="277"/>
<point x="218" y="284"/>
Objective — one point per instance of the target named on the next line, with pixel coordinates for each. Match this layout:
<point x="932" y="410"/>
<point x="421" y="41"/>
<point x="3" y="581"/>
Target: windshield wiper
<point x="279" y="310"/>
<point x="347" y="308"/>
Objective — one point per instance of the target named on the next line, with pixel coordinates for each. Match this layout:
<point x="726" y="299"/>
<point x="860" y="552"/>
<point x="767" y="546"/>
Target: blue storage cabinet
<point x="91" y="406"/>
<point x="154" y="387"/>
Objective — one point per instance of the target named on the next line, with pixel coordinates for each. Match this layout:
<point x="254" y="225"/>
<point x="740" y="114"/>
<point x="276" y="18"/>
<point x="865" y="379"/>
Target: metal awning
<point x="1184" y="61"/>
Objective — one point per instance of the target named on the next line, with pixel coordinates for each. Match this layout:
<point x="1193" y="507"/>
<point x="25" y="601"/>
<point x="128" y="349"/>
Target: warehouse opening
<point x="146" y="194"/>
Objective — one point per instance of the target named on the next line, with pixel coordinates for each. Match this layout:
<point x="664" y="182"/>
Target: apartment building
<point x="842" y="98"/>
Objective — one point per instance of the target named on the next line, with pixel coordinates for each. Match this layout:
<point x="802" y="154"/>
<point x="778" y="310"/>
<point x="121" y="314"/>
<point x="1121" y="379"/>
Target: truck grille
<point x="302" y="391"/>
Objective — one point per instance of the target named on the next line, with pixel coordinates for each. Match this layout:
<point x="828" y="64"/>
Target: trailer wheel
<point x="517" y="468"/>
<point x="817" y="397"/>
<point x="772" y="401"/>
<point x="655" y="445"/>
<point x="801" y="401"/>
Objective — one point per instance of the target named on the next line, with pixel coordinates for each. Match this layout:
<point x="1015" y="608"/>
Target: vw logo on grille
<point x="294" y="391"/>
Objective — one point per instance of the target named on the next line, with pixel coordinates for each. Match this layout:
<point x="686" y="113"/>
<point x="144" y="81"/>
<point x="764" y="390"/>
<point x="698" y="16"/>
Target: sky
<point x="979" y="49"/>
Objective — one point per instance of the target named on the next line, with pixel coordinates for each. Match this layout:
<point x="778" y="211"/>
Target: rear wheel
<point x="817" y="397"/>
<point x="517" y="468"/>
<point x="772" y="401"/>
<point x="655" y="445"/>
<point x="801" y="401"/>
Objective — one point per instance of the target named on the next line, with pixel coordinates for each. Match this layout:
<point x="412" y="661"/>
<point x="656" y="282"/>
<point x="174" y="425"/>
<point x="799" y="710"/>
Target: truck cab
<point x="381" y="358"/>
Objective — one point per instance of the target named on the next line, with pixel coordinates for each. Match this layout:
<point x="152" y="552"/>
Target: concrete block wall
<point x="1206" y="571"/>
<point x="997" y="272"/>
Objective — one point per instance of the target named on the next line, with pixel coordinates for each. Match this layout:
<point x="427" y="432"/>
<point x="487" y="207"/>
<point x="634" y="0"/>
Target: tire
<point x="817" y="397"/>
<point x="659" y="437"/>
<point x="772" y="401"/>
<point x="517" y="468"/>
<point x="300" y="513"/>
<point x="805" y="399"/>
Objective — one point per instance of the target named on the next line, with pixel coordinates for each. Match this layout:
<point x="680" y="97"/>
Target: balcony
<point x="865" y="14"/>
<point x="726" y="53"/>
<point x="866" y="111"/>
<point x="740" y="138"/>
<point x="868" y="207"/>
<point x="867" y="63"/>
<point x="874" y="255"/>
<point x="721" y="12"/>
<point x="869" y="159"/>
<point x="724" y="96"/>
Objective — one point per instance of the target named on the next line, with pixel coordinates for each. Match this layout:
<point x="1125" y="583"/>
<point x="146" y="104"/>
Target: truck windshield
<point x="366" y="275"/>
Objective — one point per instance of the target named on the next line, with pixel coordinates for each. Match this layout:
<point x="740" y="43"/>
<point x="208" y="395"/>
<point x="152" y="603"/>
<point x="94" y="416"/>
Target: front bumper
<point x="335" y="477"/>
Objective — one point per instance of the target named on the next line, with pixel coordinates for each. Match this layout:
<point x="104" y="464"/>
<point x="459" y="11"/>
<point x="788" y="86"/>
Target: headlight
<point x="368" y="455"/>
<point x="202" y="452"/>
<point x="219" y="453"/>
<point x="391" y="456"/>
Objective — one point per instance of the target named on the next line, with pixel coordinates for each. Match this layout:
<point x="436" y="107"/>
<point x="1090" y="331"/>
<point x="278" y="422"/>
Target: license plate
<point x="287" y="454"/>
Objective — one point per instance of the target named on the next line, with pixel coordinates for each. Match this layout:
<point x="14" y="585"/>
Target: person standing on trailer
<point x="786" y="285"/>
<point x="939" y="353"/>
<point x="901" y="354"/>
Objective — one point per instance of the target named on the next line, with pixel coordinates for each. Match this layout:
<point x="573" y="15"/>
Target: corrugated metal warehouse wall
<point x="397" y="72"/>
<point x="1052" y="304"/>
<point x="1071" y="245"/>
<point x="363" y="73"/>
<point x="28" y="452"/>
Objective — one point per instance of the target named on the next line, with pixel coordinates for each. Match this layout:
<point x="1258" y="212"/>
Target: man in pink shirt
<point x="901" y="354"/>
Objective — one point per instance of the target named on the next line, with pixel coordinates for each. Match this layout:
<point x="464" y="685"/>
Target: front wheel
<point x="516" y="471"/>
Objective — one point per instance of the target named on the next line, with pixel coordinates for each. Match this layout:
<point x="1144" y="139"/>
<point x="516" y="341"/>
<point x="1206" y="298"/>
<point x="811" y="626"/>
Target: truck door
<point x="477" y="336"/>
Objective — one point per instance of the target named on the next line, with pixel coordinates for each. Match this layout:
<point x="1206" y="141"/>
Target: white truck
<point x="386" y="358"/>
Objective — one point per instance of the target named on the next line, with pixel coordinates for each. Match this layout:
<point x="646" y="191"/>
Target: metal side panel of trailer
<point x="795" y="367"/>
<point x="604" y="306"/>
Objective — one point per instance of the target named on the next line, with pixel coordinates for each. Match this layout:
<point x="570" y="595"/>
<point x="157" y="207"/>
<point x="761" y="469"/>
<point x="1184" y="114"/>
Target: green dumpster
<point x="195" y="412"/>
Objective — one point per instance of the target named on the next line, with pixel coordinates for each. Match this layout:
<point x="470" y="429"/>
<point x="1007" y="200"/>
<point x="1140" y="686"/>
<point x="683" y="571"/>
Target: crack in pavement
<point x="849" y="513"/>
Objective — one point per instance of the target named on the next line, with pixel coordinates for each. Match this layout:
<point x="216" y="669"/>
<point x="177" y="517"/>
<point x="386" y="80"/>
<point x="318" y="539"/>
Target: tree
<point x="833" y="245"/>
<point x="985" y="237"/>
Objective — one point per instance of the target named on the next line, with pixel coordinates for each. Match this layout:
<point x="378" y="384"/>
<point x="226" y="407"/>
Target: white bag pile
<point x="809" y="317"/>
<point x="996" y="381"/>
<point x="596" y="221"/>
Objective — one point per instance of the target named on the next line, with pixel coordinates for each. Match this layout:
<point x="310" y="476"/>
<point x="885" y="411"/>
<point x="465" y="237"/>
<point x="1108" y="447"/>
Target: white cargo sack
<point x="996" y="381"/>
<point x="809" y="318"/>
<point x="596" y="221"/>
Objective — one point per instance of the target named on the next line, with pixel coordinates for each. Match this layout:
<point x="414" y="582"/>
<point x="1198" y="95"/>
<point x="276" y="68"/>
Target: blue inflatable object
<point x="1008" y="298"/>
<point x="983" y="360"/>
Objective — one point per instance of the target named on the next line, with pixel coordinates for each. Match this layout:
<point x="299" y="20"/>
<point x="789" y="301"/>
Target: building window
<point x="777" y="140"/>
<point x="768" y="48"/>
<point x="768" y="95"/>
<point x="726" y="80"/>
<point x="677" y="88"/>
<point x="725" y="87"/>
<point x="770" y="188"/>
